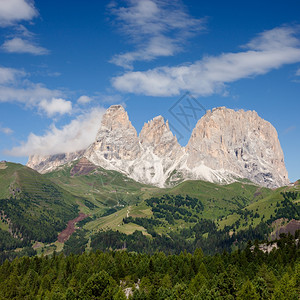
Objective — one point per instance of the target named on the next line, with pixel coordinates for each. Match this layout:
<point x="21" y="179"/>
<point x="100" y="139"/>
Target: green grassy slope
<point x="33" y="207"/>
<point x="39" y="206"/>
<point x="101" y="190"/>
<point x="267" y="209"/>
<point x="218" y="200"/>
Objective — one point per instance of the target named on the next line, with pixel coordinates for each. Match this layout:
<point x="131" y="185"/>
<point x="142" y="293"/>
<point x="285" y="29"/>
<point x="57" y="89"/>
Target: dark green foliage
<point x="187" y="239"/>
<point x="7" y="242"/>
<point x="84" y="221"/>
<point x="32" y="208"/>
<point x="10" y="255"/>
<point x="144" y="222"/>
<point x="98" y="286"/>
<point x="175" y="207"/>
<point x="77" y="242"/>
<point x="34" y="218"/>
<point x="248" y="274"/>
<point x="109" y="212"/>
<point x="287" y="209"/>
<point x="89" y="204"/>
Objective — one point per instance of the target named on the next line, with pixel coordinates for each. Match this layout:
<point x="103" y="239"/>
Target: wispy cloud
<point x="269" y="50"/>
<point x="6" y="130"/>
<point x="289" y="129"/>
<point x="19" y="45"/>
<point x="15" y="88"/>
<point x="298" y="72"/>
<point x="84" y="99"/>
<point x="9" y="75"/>
<point x="13" y="11"/>
<point x="155" y="27"/>
<point x="75" y="136"/>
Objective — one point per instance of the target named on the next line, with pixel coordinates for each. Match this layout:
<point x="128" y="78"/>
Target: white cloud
<point x="33" y="95"/>
<point x="30" y="94"/>
<point x="156" y="28"/>
<point x="18" y="45"/>
<point x="298" y="72"/>
<point x="75" y="136"/>
<point x="55" y="106"/>
<point x="6" y="130"/>
<point x="84" y="99"/>
<point x="9" y="75"/>
<point x="270" y="50"/>
<point x="12" y="11"/>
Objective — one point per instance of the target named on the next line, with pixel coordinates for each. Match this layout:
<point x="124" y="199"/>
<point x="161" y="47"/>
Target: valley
<point x="109" y="210"/>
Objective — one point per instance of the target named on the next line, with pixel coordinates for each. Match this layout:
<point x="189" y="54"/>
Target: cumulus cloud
<point x="156" y="28"/>
<point x="55" y="106"/>
<point x="75" y="136"/>
<point x="19" y="45"/>
<point x="6" y="130"/>
<point x="12" y="11"/>
<point x="84" y="99"/>
<point x="270" y="50"/>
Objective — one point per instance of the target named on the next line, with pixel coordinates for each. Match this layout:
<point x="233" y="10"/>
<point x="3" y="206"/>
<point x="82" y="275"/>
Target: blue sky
<point x="62" y="64"/>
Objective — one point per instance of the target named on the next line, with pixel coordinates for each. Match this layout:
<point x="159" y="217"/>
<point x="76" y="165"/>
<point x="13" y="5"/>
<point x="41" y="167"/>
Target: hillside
<point x="32" y="207"/>
<point x="246" y="274"/>
<point x="117" y="212"/>
<point x="99" y="189"/>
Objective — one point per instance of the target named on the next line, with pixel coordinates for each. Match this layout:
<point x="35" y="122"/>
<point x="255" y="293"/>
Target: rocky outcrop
<point x="83" y="167"/>
<point x="44" y="164"/>
<point x="146" y="158"/>
<point x="224" y="146"/>
<point x="157" y="135"/>
<point x="240" y="143"/>
<point x="117" y="143"/>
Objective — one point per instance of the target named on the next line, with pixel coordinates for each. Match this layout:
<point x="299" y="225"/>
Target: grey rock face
<point x="224" y="146"/>
<point x="45" y="164"/>
<point x="116" y="143"/>
<point x="240" y="143"/>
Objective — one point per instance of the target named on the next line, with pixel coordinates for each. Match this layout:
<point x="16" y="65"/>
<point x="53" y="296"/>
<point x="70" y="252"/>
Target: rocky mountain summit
<point x="225" y="146"/>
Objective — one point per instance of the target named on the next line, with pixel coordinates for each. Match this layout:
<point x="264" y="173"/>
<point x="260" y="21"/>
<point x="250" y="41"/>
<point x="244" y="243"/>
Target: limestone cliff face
<point x="240" y="143"/>
<point x="44" y="164"/>
<point x="157" y="135"/>
<point x="116" y="142"/>
<point x="160" y="152"/>
<point x="224" y="146"/>
<point x="146" y="158"/>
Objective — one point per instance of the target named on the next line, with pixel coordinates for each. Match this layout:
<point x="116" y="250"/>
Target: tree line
<point x="246" y="274"/>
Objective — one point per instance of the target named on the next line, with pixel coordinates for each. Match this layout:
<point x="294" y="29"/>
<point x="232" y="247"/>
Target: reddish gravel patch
<point x="65" y="234"/>
<point x="83" y="167"/>
<point x="290" y="227"/>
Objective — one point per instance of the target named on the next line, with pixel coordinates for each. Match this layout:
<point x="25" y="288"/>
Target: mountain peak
<point x="115" y="107"/>
<point x="157" y="135"/>
<point x="225" y="144"/>
<point x="115" y="117"/>
<point x="240" y="142"/>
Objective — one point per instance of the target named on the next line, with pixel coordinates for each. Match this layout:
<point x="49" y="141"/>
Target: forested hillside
<point x="248" y="274"/>
<point x="32" y="208"/>
<point x="120" y="213"/>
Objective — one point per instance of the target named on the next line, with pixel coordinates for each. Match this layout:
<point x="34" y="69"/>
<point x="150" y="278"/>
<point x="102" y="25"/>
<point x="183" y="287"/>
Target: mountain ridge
<point x="225" y="145"/>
